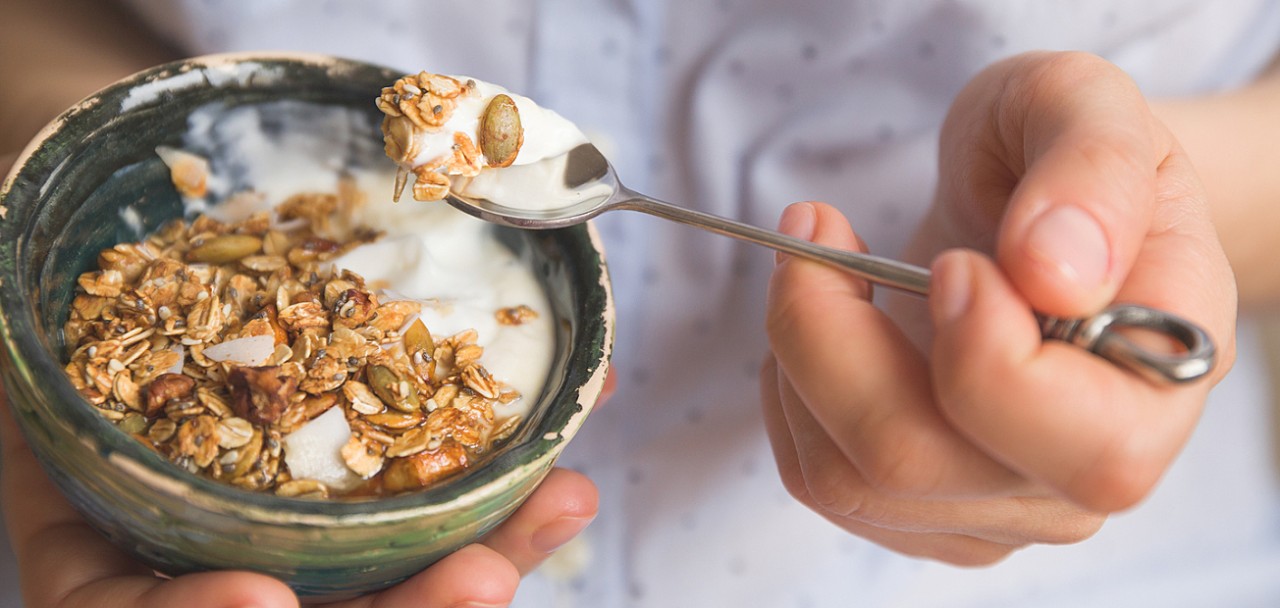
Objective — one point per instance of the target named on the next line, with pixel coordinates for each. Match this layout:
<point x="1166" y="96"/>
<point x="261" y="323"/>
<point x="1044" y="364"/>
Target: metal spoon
<point x="581" y="184"/>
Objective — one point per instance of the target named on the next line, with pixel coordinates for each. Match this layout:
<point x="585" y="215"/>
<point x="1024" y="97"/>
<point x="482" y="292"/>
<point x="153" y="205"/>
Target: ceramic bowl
<point x="62" y="203"/>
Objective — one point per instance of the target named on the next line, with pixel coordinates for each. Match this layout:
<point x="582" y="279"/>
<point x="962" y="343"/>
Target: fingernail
<point x="554" y="535"/>
<point x="1071" y="241"/>
<point x="951" y="286"/>
<point x="798" y="220"/>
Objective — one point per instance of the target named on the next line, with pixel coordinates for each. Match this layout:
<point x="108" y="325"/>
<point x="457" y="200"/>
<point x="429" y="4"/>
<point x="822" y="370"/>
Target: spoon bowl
<point x="569" y="189"/>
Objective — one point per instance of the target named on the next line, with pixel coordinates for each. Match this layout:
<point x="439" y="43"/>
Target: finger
<point x="950" y="548"/>
<point x="72" y="565"/>
<point x="33" y="506"/>
<point x="562" y="506"/>
<point x="67" y="563"/>
<point x="31" y="502"/>
<point x="832" y="488"/>
<point x="201" y="590"/>
<point x="864" y="382"/>
<point x="1080" y="213"/>
<point x="1050" y="410"/>
<point x="835" y="488"/>
<point x="474" y="575"/>
<point x="1183" y="250"/>
<point x="779" y="434"/>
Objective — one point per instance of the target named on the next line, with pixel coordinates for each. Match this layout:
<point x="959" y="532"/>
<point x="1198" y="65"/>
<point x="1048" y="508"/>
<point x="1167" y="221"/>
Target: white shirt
<point x="739" y="107"/>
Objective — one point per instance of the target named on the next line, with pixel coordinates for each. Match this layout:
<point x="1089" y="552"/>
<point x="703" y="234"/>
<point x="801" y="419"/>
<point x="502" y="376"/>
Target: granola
<point x="424" y="103"/>
<point x="212" y="342"/>
<point x="453" y="134"/>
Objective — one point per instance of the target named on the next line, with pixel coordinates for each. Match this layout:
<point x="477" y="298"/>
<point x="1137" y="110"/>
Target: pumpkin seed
<point x="388" y="386"/>
<point x="133" y="423"/>
<point x="500" y="135"/>
<point x="418" y="338"/>
<point x="225" y="248"/>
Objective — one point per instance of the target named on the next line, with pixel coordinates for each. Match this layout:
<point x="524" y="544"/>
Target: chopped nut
<point x="424" y="468"/>
<point x="166" y="388"/>
<point x="260" y="394"/>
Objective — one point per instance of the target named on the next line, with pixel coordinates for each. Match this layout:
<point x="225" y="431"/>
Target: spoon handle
<point x="1101" y="334"/>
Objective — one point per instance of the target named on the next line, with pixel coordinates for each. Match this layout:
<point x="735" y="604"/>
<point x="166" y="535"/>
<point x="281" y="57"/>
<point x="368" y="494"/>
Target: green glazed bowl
<point x="62" y="204"/>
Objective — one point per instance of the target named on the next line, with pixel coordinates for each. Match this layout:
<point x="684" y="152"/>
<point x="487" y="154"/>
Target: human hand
<point x="64" y="562"/>
<point x="1069" y="195"/>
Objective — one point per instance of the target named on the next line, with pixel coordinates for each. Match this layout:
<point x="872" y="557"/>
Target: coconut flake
<point x="250" y="351"/>
<point x="182" y="359"/>
<point x="314" y="451"/>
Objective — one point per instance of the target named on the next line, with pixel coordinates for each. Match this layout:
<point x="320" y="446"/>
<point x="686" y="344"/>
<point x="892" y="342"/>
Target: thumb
<point x="1083" y="207"/>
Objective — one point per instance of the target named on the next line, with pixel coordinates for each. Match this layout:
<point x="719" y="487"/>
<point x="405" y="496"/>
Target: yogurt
<point x="450" y="262"/>
<point x="435" y="127"/>
<point x="546" y="133"/>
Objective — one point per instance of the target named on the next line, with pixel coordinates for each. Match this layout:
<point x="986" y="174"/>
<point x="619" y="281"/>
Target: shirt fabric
<point x="739" y="107"/>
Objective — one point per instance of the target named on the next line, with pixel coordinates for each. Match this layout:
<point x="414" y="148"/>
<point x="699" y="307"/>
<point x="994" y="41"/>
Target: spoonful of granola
<point x="528" y="167"/>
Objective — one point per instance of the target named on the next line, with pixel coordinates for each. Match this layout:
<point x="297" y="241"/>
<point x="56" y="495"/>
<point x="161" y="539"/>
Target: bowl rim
<point x="27" y="360"/>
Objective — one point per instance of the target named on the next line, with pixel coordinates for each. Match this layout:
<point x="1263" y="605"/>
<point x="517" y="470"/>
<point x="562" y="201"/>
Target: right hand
<point x="992" y="438"/>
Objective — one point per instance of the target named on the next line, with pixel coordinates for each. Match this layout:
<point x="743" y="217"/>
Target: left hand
<point x="1067" y="194"/>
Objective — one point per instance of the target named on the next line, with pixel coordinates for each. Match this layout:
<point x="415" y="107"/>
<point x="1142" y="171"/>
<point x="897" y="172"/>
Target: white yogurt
<point x="546" y="133"/>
